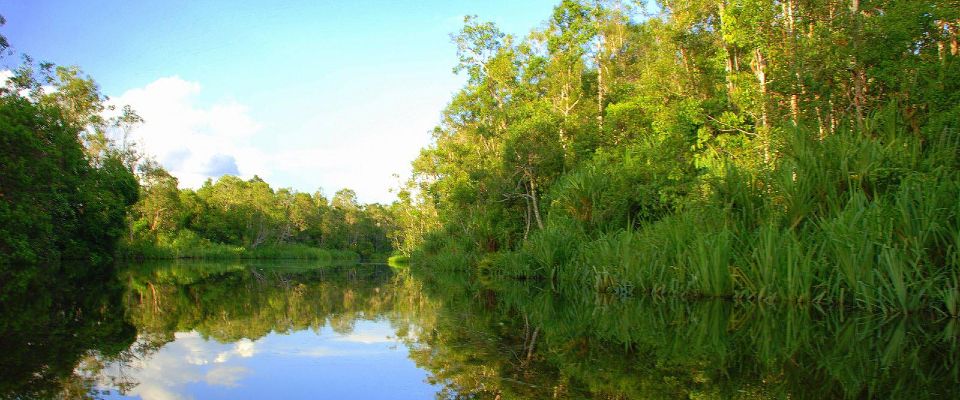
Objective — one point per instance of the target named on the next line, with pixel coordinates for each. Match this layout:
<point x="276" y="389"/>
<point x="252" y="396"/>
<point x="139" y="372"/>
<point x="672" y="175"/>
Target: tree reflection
<point x="50" y="325"/>
<point x="479" y="339"/>
<point x="515" y="340"/>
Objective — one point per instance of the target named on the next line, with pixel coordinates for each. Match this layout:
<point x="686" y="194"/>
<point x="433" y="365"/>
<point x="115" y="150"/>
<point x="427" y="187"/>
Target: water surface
<point x="290" y="330"/>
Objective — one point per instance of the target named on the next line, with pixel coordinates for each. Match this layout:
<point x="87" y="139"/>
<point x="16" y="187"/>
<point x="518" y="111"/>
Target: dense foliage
<point x="58" y="197"/>
<point x="764" y="150"/>
<point x="233" y="218"/>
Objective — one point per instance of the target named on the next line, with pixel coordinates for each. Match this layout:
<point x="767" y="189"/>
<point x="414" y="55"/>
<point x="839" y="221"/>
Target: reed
<point x="861" y="219"/>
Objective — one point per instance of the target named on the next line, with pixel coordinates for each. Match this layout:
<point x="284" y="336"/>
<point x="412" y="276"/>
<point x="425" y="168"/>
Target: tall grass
<point x="187" y="245"/>
<point x="860" y="219"/>
<point x="443" y="253"/>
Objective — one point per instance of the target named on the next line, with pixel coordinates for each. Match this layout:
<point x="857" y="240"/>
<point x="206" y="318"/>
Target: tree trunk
<point x="565" y="108"/>
<point x="156" y="218"/>
<point x="527" y="219"/>
<point x="954" y="48"/>
<point x="533" y="343"/>
<point x="600" y="94"/>
<point x="536" y="208"/>
<point x="729" y="67"/>
<point x="940" y="51"/>
<point x="858" y="73"/>
<point x="792" y="59"/>
<point x="262" y="235"/>
<point x="502" y="124"/>
<point x="601" y="41"/>
<point x="760" y="70"/>
<point x="283" y="235"/>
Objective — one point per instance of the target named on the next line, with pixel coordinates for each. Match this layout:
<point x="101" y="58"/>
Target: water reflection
<point x="188" y="359"/>
<point x="265" y="330"/>
<point x="516" y="340"/>
<point x="52" y="317"/>
<point x="254" y="331"/>
<point x="291" y="365"/>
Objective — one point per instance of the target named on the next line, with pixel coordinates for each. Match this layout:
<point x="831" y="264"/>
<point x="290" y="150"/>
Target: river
<point x="179" y="330"/>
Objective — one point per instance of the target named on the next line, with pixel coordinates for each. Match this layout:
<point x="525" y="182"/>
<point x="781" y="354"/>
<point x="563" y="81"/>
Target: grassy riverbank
<point x="867" y="220"/>
<point x="206" y="250"/>
<point x="704" y="152"/>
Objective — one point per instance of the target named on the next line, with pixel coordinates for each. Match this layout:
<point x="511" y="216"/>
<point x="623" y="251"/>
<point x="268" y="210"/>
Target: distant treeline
<point x="761" y="150"/>
<point x="234" y="218"/>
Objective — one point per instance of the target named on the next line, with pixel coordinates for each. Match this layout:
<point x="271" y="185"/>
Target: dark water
<point x="241" y="330"/>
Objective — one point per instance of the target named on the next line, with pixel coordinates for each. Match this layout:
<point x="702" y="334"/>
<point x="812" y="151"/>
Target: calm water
<point x="249" y="330"/>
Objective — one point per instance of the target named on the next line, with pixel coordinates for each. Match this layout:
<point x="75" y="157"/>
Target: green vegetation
<point x="516" y="340"/>
<point x="204" y="249"/>
<point x="72" y="186"/>
<point x="482" y="339"/>
<point x="765" y="151"/>
<point x="68" y="313"/>
<point x="233" y="219"/>
<point x="232" y="301"/>
<point x="595" y="196"/>
<point x="400" y="261"/>
<point x="61" y="195"/>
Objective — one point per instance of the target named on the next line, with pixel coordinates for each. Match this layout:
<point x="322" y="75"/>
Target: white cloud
<point x="366" y="337"/>
<point x="361" y="143"/>
<point x="243" y="348"/>
<point x="318" y="352"/>
<point x="193" y="142"/>
<point x="357" y="143"/>
<point x="153" y="391"/>
<point x="226" y="375"/>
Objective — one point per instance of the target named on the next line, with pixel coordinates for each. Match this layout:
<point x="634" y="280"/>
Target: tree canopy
<point x="614" y="130"/>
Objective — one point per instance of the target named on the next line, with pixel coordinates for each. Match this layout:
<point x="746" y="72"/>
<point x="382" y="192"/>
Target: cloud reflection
<point x="243" y="348"/>
<point x="194" y="366"/>
<point x="186" y="360"/>
<point x="368" y="336"/>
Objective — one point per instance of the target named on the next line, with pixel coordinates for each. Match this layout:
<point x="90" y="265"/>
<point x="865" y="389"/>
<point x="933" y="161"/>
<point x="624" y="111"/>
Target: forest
<point x="670" y="199"/>
<point x="234" y="218"/>
<point x="766" y="151"/>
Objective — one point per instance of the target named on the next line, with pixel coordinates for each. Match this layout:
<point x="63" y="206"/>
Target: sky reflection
<point x="367" y="362"/>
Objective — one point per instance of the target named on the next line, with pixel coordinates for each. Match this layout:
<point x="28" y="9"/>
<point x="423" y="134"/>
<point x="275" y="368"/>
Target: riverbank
<point x="860" y="220"/>
<point x="217" y="251"/>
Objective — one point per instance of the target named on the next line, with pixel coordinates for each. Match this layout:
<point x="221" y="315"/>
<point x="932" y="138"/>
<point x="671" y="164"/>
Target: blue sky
<point x="306" y="94"/>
